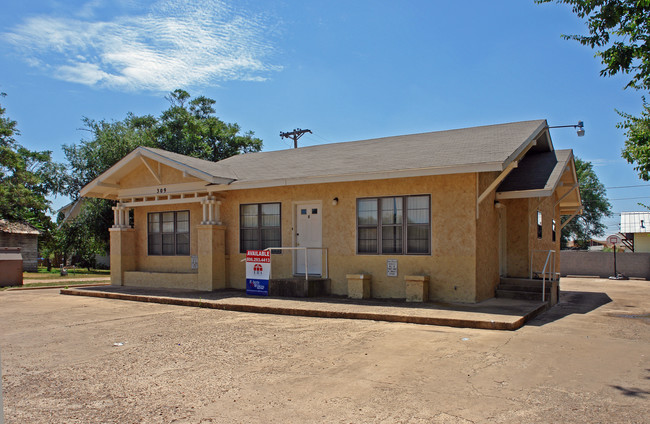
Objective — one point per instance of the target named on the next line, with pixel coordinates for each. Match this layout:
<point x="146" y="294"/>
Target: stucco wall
<point x="144" y="262"/>
<point x="487" y="242"/>
<point x="549" y="213"/>
<point x="451" y="266"/>
<point x="463" y="264"/>
<point x="522" y="234"/>
<point x="517" y="227"/>
<point x="28" y="244"/>
<point x="601" y="264"/>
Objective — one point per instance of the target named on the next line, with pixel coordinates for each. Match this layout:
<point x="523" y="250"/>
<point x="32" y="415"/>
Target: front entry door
<point x="309" y="233"/>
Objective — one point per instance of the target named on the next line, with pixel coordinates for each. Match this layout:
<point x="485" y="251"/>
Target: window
<point x="394" y="225"/>
<point x="539" y="224"/>
<point x="168" y="233"/>
<point x="259" y="226"/>
<point x="554" y="231"/>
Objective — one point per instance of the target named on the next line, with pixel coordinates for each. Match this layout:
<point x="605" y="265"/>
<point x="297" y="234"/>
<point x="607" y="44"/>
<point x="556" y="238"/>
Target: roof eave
<point x="362" y="176"/>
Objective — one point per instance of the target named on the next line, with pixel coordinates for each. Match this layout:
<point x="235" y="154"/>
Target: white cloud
<point x="175" y="44"/>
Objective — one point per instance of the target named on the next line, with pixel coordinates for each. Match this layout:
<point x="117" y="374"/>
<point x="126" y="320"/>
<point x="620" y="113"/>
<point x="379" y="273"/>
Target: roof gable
<point x="148" y="166"/>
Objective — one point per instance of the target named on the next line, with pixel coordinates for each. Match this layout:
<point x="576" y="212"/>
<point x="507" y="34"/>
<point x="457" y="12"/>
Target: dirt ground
<point x="586" y="360"/>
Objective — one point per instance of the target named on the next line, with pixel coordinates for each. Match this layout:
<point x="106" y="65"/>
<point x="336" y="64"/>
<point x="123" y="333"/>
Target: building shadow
<point x="571" y="302"/>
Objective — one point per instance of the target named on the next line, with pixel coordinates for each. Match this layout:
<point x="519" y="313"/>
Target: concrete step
<point x="523" y="282"/>
<point x="521" y="295"/>
<point x="298" y="287"/>
<point x="526" y="288"/>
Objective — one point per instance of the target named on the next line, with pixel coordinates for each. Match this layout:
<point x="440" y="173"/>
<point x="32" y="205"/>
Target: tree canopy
<point x="620" y="31"/>
<point x="26" y="178"/>
<point x="189" y="127"/>
<point x="596" y="206"/>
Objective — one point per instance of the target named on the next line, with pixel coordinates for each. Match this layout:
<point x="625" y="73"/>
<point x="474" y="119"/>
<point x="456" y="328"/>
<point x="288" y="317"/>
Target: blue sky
<point x="347" y="70"/>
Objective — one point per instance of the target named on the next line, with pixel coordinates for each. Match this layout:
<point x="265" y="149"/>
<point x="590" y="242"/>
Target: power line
<point x="295" y="135"/>
<point x="629" y="186"/>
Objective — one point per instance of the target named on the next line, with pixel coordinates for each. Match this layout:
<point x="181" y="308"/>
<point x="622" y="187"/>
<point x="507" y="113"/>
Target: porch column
<point x="212" y="257"/>
<point x="123" y="253"/>
<point x="211" y="211"/>
<point x="121" y="216"/>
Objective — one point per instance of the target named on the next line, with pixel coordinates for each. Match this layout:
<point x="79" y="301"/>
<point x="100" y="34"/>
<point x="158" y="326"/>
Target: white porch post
<point x="121" y="216"/>
<point x="217" y="212"/>
<point x="211" y="211"/>
<point x="205" y="212"/>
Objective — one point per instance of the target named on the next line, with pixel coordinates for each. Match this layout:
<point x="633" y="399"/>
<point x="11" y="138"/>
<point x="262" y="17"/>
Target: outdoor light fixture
<point x="335" y="201"/>
<point x="580" y="127"/>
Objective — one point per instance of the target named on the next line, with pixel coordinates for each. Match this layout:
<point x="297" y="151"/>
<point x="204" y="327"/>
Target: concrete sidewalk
<point x="494" y="314"/>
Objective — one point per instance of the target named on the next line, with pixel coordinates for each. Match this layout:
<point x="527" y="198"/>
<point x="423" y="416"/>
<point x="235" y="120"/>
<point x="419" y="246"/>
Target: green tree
<point x="620" y="31"/>
<point x="596" y="206"/>
<point x="637" y="145"/>
<point x="26" y="179"/>
<point x="189" y="127"/>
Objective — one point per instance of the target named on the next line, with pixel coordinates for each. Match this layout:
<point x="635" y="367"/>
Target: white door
<point x="309" y="233"/>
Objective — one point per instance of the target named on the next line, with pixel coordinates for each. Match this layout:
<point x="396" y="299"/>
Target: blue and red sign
<point x="258" y="271"/>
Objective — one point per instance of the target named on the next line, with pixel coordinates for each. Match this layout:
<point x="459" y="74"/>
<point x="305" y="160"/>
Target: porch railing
<point x="549" y="268"/>
<point x="306" y="258"/>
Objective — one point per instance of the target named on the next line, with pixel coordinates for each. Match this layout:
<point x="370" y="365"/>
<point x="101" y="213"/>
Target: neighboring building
<point x="16" y="234"/>
<point x="71" y="210"/>
<point x="462" y="207"/>
<point x="635" y="226"/>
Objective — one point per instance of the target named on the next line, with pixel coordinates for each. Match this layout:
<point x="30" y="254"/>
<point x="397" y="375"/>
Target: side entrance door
<point x="309" y="233"/>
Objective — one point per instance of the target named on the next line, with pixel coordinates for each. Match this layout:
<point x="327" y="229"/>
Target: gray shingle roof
<point x="441" y="149"/>
<point x="476" y="149"/>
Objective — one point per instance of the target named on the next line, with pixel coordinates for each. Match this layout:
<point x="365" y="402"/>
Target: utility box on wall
<point x="11" y="266"/>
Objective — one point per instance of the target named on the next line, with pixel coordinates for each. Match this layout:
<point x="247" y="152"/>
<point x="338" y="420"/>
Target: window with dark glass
<point x="259" y="226"/>
<point x="554" y="231"/>
<point x="394" y="225"/>
<point x="168" y="233"/>
<point x="539" y="224"/>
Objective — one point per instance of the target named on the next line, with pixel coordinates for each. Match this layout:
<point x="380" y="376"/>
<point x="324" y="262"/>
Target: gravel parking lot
<point x="69" y="359"/>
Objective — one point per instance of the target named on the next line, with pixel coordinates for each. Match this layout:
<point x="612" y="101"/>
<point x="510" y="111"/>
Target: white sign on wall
<point x="391" y="267"/>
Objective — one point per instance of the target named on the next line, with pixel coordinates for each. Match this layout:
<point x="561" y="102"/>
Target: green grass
<point x="43" y="274"/>
<point x="71" y="283"/>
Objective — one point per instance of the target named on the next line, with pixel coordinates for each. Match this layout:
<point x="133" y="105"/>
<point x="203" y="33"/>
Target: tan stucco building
<point x="455" y="209"/>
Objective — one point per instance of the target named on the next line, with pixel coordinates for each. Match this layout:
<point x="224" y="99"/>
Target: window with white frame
<point x="397" y="225"/>
<point x="259" y="226"/>
<point x="168" y="233"/>
<point x="539" y="225"/>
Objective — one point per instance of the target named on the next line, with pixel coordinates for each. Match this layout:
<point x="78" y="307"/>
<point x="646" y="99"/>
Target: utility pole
<point x="295" y="135"/>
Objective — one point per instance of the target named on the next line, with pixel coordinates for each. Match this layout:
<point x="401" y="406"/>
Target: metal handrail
<point x="306" y="260"/>
<point x="551" y="273"/>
